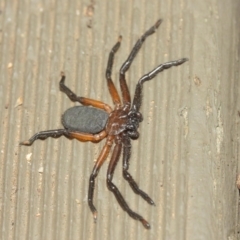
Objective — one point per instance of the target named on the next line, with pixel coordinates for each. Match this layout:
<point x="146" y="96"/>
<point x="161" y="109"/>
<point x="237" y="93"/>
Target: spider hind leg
<point x="84" y="101"/>
<point x="46" y="134"/>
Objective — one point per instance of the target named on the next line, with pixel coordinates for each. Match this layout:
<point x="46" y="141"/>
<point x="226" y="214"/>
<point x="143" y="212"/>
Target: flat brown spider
<point x="119" y="126"/>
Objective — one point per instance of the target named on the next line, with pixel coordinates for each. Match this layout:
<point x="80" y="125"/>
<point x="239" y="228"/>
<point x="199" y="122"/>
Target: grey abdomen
<point x="85" y="119"/>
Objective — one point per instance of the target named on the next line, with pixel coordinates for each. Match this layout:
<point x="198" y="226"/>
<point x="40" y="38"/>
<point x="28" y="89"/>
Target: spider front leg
<point x="111" y="87"/>
<point x="112" y="187"/>
<point x="137" y="101"/>
<point x="126" y="157"/>
<point x="128" y="62"/>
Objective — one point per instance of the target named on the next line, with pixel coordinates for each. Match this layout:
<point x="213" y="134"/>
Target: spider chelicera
<point x="119" y="125"/>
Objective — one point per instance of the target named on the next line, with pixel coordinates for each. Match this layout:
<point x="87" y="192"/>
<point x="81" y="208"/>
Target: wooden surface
<point x="187" y="156"/>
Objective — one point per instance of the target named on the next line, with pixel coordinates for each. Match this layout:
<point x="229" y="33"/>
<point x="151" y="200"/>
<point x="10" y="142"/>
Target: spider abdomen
<point x="85" y="119"/>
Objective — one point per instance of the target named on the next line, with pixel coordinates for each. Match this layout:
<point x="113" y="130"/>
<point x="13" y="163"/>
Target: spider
<point x="96" y="120"/>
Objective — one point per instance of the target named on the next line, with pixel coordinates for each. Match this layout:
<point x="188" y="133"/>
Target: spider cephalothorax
<point x="96" y="120"/>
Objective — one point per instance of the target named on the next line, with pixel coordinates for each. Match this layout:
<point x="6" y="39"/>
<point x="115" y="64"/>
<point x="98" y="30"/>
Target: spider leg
<point x="85" y="137"/>
<point x="112" y="187"/>
<point x="126" y="157"/>
<point x="111" y="86"/>
<point x="46" y="134"/>
<point x="102" y="157"/>
<point x="137" y="101"/>
<point x="128" y="62"/>
<point x="84" y="101"/>
<point x="64" y="132"/>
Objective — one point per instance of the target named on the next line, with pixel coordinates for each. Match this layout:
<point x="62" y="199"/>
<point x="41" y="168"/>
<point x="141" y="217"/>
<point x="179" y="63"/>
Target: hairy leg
<point x="63" y="132"/>
<point x="102" y="157"/>
<point x="111" y="86"/>
<point x="84" y="101"/>
<point x="127" y="176"/>
<point x="137" y="101"/>
<point x="128" y="62"/>
<point x="46" y="134"/>
<point x="112" y="187"/>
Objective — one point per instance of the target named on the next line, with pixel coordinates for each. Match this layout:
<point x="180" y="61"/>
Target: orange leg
<point x="102" y="157"/>
<point x="84" y="101"/>
<point x="113" y="91"/>
<point x="111" y="86"/>
<point x="95" y="103"/>
<point x="125" y="91"/>
<point x="84" y="137"/>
